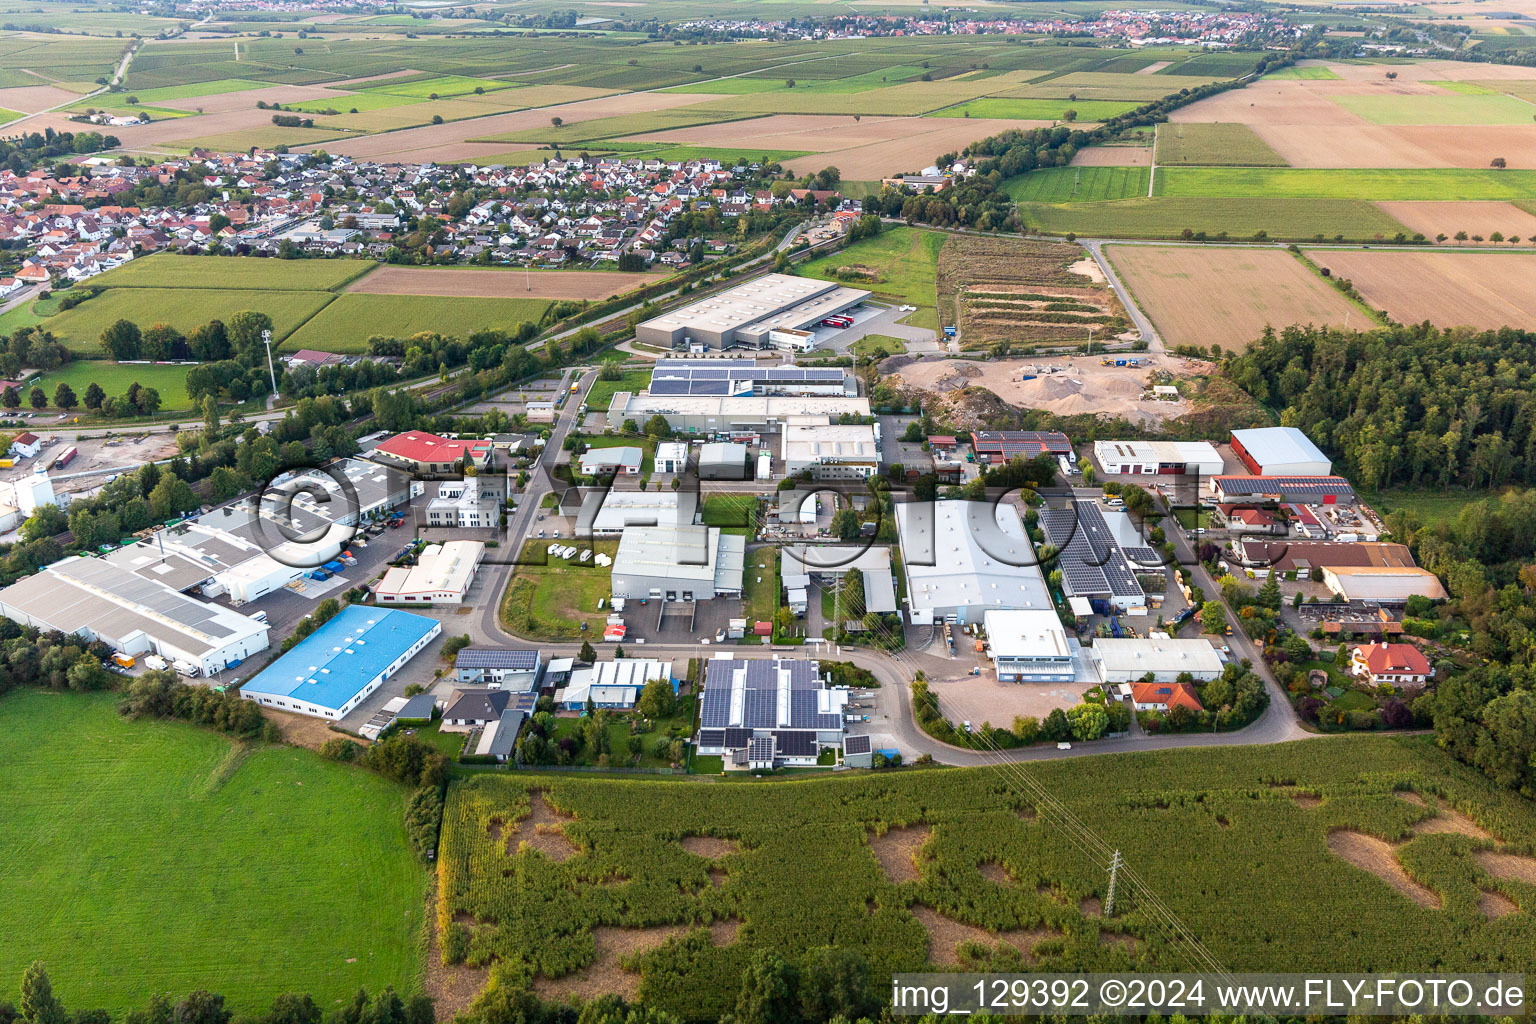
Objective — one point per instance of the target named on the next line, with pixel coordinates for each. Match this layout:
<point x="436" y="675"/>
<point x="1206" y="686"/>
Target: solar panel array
<point x="1028" y="443"/>
<point x="1143" y="557"/>
<point x="1091" y="562"/>
<point x="1290" y="487"/>
<point x="714" y="377"/>
<point x="496" y="657"/>
<point x="760" y="695"/>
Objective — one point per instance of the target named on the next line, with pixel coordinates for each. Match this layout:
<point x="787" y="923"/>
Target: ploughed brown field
<point x="1226" y="296"/>
<point x="1449" y="289"/>
<point x="1480" y="218"/>
<point x="1305" y="144"/>
<point x="469" y="282"/>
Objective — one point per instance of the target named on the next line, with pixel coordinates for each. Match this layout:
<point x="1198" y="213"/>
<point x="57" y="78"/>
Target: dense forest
<point x="1408" y="405"/>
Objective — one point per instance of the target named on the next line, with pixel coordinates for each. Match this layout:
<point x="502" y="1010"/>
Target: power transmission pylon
<point x="1114" y="871"/>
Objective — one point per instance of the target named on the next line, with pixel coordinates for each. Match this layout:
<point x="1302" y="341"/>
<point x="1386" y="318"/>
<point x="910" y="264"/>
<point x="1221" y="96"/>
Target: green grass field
<point x="362" y="102"/>
<point x="1161" y="217"/>
<point x="730" y="510"/>
<point x="725" y="156"/>
<point x="346" y="324"/>
<point x="169" y="270"/>
<point x="170" y="381"/>
<point x="1078" y="184"/>
<point x="1431" y="505"/>
<point x="552" y="600"/>
<point x="1307" y="74"/>
<point x="1038" y="109"/>
<point x="905" y="257"/>
<point x="1446" y="184"/>
<point x="183" y="308"/>
<point x="1226" y="144"/>
<point x="653" y="123"/>
<point x="810" y="864"/>
<point x="1483" y="108"/>
<point x="187" y="92"/>
<point x="603" y="390"/>
<point x="760" y="585"/>
<point x="160" y="857"/>
<point x="1466" y="88"/>
<point x="444" y="86"/>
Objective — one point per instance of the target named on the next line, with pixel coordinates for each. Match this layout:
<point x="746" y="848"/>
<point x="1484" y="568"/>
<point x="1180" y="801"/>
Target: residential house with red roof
<point x="1398" y="665"/>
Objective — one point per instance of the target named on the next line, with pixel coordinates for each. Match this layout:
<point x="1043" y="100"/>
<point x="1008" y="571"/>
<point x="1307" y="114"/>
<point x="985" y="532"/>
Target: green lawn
<point x="619" y="731"/>
<point x="346" y="324"/>
<point x="760" y="585"/>
<point x="234" y="273"/>
<point x="549" y="598"/>
<point x="1458" y="108"/>
<point x="186" y="309"/>
<point x="1446" y="184"/>
<point x="149" y="857"/>
<point x="905" y="258"/>
<point x="878" y="346"/>
<point x="1166" y="217"/>
<point x="730" y="510"/>
<point x="1038" y="109"/>
<point x="1078" y="184"/>
<point x="1225" y="144"/>
<point x="170" y="381"/>
<point x="603" y="390"/>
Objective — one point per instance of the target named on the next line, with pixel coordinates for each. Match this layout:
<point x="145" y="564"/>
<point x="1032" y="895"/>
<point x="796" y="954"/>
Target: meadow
<point x="171" y="270"/>
<point x="1445" y="184"/>
<point x="903" y="258"/>
<point x="961" y="868"/>
<point x="162" y="858"/>
<point x="550" y="598"/>
<point x="1458" y="108"/>
<point x="1079" y="184"/>
<point x="183" y="308"/>
<point x="1303" y="73"/>
<point x="1168" y="217"/>
<point x="346" y="324"/>
<point x="115" y="379"/>
<point x="1213" y="145"/>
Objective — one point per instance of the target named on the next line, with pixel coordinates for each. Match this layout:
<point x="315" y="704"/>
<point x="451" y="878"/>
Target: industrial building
<point x="612" y="684"/>
<point x="997" y="446"/>
<point x="1126" y="660"/>
<point x="421" y="452"/>
<point x="1158" y="458"/>
<point x="1382" y="584"/>
<point x="831" y="451"/>
<point x="1302" y="556"/>
<point x="749" y="314"/>
<point x="620" y="461"/>
<point x="442" y="574"/>
<point x="671" y="457"/>
<point x="730" y="414"/>
<point x="962" y="558"/>
<point x="767" y="712"/>
<point x="1029" y="646"/>
<point x="1279" y="451"/>
<point x="99" y="599"/>
<point x="720" y="377"/>
<point x="804" y="564"/>
<point x="725" y="460"/>
<point x="1090" y="553"/>
<point x="471" y="503"/>
<point x="499" y="668"/>
<point x="608" y="512"/>
<point x="1304" y="490"/>
<point x="678" y="563"/>
<point x="336" y="667"/>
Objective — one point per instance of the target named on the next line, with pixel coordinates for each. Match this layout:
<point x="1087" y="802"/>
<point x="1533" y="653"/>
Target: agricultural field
<point x="1086" y="111"/>
<point x="1449" y="289"/>
<point x="171" y="270"/>
<point x="898" y="264"/>
<point x="1213" y="145"/>
<point x="1303" y="72"/>
<point x="1258" y="287"/>
<point x="183" y="308"/>
<point x="246" y="869"/>
<point x="1078" y="184"/>
<point x="346" y="324"/>
<point x="115" y="379"/>
<point x="551" y="598"/>
<point x="1458" y="108"/>
<point x="1441" y="184"/>
<point x="1019" y="291"/>
<point x="1475" y="219"/>
<point x="474" y="282"/>
<point x="955" y="869"/>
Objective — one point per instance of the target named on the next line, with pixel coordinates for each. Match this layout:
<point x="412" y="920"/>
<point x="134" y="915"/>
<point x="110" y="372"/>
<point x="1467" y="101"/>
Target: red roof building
<point x="429" y="453"/>
<point x="1164" y="696"/>
<point x="1394" y="664"/>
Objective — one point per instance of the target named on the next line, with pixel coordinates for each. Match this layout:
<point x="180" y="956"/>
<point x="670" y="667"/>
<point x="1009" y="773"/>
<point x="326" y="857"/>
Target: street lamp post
<point x="266" y="336"/>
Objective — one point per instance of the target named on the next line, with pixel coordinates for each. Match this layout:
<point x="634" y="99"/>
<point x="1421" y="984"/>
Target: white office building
<point x="1029" y="646"/>
<point x="1127" y="660"/>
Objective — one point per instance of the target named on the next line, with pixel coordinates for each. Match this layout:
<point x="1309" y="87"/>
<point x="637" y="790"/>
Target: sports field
<point x="1078" y="184"/>
<point x="1258" y="287"/>
<point x="183" y="308"/>
<point x="346" y="324"/>
<point x="902" y="869"/>
<point x="170" y="270"/>
<point x="79" y="374"/>
<point x="149" y="857"/>
<point x="1170" y="216"/>
<point x="1449" y="289"/>
<point x="1213" y="145"/>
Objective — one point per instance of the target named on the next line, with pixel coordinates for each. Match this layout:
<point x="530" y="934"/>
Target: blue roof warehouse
<point x="336" y="667"/>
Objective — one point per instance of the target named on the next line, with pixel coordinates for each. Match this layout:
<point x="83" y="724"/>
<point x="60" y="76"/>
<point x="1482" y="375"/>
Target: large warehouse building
<point x="1279" y="451"/>
<point x="442" y="575"/>
<point x="962" y="558"/>
<point x="831" y="451"/>
<point x="1093" y="562"/>
<point x="1127" y="660"/>
<point x="1029" y="646"/>
<point x="1157" y="458"/>
<point x="730" y="414"/>
<point x="332" y="670"/>
<point x="745" y="377"/>
<point x="101" y="600"/>
<point x="678" y="563"/>
<point x="749" y="313"/>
